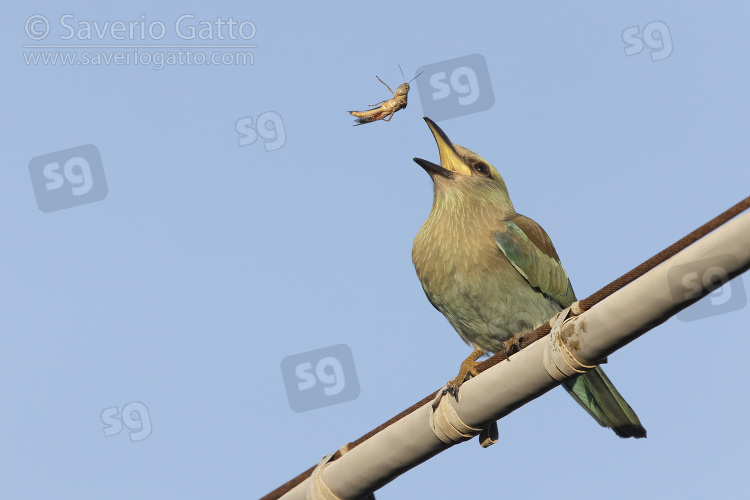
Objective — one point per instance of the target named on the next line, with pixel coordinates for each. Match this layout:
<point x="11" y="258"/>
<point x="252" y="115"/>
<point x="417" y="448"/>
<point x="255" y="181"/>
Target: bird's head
<point x="464" y="174"/>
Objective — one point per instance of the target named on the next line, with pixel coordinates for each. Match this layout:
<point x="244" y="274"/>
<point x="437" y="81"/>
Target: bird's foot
<point x="513" y="344"/>
<point x="468" y="367"/>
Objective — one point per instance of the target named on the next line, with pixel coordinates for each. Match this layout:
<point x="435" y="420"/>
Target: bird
<point x="495" y="274"/>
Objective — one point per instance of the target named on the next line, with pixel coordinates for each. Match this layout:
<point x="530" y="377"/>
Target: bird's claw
<point x="468" y="369"/>
<point x="452" y="387"/>
<point x="513" y="344"/>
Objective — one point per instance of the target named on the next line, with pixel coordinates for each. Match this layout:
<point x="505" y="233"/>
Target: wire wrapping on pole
<point x="544" y="330"/>
<point x="559" y="361"/>
<point x="450" y="429"/>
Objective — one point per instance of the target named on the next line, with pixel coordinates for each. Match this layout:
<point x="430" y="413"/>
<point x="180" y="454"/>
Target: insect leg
<point x="381" y="81"/>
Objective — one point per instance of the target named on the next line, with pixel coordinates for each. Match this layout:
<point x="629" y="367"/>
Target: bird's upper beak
<point x="450" y="162"/>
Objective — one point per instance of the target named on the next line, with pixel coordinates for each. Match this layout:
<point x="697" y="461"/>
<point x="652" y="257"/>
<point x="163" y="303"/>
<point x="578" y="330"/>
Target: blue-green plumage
<point x="494" y="273"/>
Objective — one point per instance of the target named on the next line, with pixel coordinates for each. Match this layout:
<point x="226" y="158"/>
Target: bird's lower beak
<point x="450" y="162"/>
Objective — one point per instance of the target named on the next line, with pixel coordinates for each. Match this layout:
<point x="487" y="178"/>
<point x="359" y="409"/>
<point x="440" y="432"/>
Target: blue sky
<point x="207" y="262"/>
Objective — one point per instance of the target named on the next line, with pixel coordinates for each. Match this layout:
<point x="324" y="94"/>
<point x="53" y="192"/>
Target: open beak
<point x="450" y="162"/>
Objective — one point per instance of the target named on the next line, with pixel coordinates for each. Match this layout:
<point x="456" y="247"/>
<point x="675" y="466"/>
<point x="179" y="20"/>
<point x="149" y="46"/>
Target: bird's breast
<point x="467" y="278"/>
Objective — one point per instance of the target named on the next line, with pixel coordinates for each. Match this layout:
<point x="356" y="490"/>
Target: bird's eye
<point x="481" y="168"/>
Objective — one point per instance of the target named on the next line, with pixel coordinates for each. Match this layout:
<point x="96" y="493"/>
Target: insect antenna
<point x="415" y="77"/>
<point x="402" y="74"/>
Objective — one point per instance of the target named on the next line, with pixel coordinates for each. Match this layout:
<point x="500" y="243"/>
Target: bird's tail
<point x="598" y="396"/>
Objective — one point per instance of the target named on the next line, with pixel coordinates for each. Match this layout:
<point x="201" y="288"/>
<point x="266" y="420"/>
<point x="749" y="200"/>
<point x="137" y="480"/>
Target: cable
<point x="544" y="330"/>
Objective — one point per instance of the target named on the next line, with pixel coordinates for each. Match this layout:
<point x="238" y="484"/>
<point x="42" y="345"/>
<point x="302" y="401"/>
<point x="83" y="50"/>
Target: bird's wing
<point x="531" y="252"/>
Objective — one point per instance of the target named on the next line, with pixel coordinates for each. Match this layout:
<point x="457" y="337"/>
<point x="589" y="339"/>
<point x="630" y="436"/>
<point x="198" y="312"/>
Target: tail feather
<point x="597" y="395"/>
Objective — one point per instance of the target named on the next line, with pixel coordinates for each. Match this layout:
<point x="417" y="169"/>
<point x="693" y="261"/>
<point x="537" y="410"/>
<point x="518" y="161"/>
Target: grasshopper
<point x="386" y="109"/>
